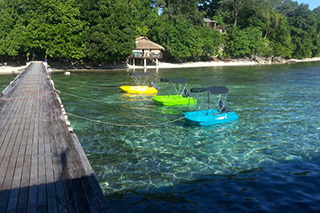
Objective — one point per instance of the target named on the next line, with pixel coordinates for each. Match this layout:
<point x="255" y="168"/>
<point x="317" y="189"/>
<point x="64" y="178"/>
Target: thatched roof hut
<point x="143" y="43"/>
<point x="145" y="50"/>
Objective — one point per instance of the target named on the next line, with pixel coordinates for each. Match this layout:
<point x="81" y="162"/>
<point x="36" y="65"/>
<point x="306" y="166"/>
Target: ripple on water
<point x="265" y="161"/>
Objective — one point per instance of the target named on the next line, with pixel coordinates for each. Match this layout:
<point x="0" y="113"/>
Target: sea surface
<point x="147" y="159"/>
<point x="5" y="80"/>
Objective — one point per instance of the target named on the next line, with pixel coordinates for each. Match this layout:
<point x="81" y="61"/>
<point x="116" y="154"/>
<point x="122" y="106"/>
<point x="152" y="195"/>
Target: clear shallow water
<point x="268" y="160"/>
<point x="5" y="80"/>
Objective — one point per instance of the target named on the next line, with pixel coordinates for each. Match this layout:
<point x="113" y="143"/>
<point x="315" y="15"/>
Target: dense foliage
<point x="105" y="30"/>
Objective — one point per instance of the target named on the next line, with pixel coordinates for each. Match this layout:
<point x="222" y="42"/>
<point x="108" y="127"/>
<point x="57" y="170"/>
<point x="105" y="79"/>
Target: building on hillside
<point x="214" y="25"/>
<point x="145" y="51"/>
<point x="210" y="23"/>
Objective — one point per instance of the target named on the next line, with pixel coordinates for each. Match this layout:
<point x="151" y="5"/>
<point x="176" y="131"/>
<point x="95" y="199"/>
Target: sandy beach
<point x="4" y="69"/>
<point x="164" y="65"/>
<point x="11" y="69"/>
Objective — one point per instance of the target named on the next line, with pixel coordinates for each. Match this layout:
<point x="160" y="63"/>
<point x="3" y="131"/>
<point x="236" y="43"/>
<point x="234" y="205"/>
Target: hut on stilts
<point x="145" y="53"/>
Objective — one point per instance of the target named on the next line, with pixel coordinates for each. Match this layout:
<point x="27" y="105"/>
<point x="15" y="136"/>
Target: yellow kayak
<point x="139" y="89"/>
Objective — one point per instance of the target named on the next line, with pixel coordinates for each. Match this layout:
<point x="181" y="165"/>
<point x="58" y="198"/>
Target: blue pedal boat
<point x="212" y="116"/>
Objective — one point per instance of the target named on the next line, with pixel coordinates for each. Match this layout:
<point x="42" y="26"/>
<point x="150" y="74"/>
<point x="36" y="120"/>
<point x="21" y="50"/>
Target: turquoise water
<point x="5" y="80"/>
<point x="267" y="161"/>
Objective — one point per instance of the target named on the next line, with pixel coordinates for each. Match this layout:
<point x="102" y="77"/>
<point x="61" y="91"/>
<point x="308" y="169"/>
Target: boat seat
<point x="223" y="107"/>
<point x="187" y="93"/>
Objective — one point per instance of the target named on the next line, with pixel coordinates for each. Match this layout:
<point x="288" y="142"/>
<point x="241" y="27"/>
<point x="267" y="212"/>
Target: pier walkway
<point x="43" y="167"/>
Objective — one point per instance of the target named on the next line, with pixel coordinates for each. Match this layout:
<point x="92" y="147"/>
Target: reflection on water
<point x="136" y="97"/>
<point x="244" y="165"/>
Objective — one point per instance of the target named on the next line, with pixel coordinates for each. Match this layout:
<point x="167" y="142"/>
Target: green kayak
<point x="170" y="100"/>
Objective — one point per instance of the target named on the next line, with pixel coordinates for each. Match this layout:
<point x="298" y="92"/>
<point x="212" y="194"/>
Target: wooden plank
<point x="65" y="166"/>
<point x="8" y="122"/>
<point x="42" y="191"/>
<point x="14" y="192"/>
<point x="83" y="186"/>
<point x="103" y="204"/>
<point x="7" y="175"/>
<point x="56" y="163"/>
<point x="28" y="133"/>
<point x="33" y="184"/>
<point x="49" y="155"/>
<point x="8" y="163"/>
<point x="24" y="190"/>
<point x="80" y="195"/>
<point x="51" y="190"/>
<point x="43" y="167"/>
<point x="76" y="152"/>
<point x="4" y="195"/>
<point x="94" y="194"/>
<point x="71" y="172"/>
<point x="15" y="188"/>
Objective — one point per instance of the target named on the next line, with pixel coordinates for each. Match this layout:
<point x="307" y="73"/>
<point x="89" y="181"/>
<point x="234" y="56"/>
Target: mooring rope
<point x="87" y="86"/>
<point x="124" y="125"/>
<point x="86" y="98"/>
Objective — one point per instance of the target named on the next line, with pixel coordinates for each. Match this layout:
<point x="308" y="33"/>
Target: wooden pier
<point x="43" y="167"/>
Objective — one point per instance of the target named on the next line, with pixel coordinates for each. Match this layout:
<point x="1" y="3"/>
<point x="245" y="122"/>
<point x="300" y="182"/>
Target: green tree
<point x="211" y="41"/>
<point x="10" y="36"/>
<point x="246" y="43"/>
<point x="304" y="33"/>
<point x="231" y="10"/>
<point x="316" y="51"/>
<point x="182" y="40"/>
<point x="177" y="10"/>
<point x="279" y="35"/>
<point x="114" y="26"/>
<point x="210" y="7"/>
<point x="185" y="41"/>
<point x="105" y="30"/>
<point x="284" y="6"/>
<point x="316" y="11"/>
<point x="53" y="27"/>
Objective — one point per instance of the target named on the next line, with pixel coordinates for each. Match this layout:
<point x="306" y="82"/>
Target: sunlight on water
<point x="279" y="121"/>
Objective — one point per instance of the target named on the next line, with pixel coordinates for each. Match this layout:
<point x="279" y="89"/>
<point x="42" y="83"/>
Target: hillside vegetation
<point x="104" y="31"/>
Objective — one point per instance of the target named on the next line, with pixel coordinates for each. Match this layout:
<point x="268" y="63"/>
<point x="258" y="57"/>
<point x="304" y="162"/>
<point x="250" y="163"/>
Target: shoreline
<point x="5" y="70"/>
<point x="162" y="65"/>
<point x="165" y="65"/>
<point x="231" y="63"/>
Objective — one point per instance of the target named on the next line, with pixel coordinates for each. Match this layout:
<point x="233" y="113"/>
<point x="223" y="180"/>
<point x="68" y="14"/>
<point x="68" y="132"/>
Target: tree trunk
<point x="235" y="6"/>
<point x="235" y="19"/>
